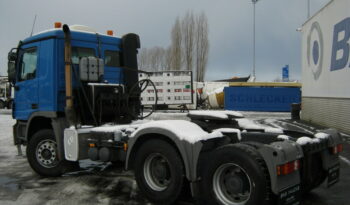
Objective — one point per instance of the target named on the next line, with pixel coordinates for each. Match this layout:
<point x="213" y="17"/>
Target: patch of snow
<point x="230" y="130"/>
<point x="321" y="135"/>
<point x="212" y="135"/>
<point x="110" y="128"/>
<point x="114" y="128"/>
<point x="307" y="140"/>
<point x="273" y="130"/>
<point x="232" y="113"/>
<point x="283" y="137"/>
<point x="184" y="130"/>
<point x="209" y="113"/>
<point x="249" y="124"/>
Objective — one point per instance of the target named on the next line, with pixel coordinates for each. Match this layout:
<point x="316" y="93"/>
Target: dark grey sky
<point x="230" y="28"/>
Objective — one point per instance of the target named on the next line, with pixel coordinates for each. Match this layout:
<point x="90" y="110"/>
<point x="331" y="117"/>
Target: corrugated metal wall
<point x="329" y="112"/>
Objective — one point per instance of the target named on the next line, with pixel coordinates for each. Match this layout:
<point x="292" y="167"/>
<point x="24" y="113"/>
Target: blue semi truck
<point x="77" y="96"/>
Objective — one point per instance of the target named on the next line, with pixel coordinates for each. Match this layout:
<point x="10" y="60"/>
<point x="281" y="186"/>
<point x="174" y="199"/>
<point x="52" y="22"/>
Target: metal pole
<point x="308" y="9"/>
<point x="254" y="40"/>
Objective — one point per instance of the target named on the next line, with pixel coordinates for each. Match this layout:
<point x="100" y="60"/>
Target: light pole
<point x="254" y="2"/>
<point x="308" y="9"/>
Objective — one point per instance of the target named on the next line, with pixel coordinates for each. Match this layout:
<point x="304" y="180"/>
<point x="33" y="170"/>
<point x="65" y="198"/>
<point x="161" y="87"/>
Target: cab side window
<point x="112" y="58"/>
<point x="28" y="64"/>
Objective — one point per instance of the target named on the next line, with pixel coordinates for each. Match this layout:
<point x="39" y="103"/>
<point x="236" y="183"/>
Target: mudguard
<point x="189" y="152"/>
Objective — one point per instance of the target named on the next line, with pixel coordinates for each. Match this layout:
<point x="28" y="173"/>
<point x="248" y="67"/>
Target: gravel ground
<point x="101" y="183"/>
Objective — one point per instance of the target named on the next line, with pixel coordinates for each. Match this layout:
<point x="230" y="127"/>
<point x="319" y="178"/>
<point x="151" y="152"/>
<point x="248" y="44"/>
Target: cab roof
<point x="75" y="35"/>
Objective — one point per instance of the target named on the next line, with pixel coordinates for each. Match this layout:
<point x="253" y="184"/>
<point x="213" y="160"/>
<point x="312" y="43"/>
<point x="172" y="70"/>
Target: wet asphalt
<point x="103" y="183"/>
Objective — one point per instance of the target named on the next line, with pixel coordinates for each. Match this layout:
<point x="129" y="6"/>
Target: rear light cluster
<point x="337" y="149"/>
<point x="288" y="168"/>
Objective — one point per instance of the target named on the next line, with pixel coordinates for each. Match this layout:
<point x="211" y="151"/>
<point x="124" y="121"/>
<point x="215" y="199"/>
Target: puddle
<point x="9" y="183"/>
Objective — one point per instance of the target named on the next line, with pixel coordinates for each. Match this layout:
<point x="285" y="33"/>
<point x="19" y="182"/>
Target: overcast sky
<point x="230" y="28"/>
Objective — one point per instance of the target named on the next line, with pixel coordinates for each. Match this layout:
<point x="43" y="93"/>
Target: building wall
<point x="325" y="67"/>
<point x="330" y="112"/>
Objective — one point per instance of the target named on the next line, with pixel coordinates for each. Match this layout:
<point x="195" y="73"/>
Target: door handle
<point x="34" y="106"/>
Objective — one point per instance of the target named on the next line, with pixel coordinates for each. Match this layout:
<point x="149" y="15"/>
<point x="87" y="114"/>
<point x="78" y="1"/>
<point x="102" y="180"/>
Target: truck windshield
<point x="79" y="52"/>
<point x="112" y="58"/>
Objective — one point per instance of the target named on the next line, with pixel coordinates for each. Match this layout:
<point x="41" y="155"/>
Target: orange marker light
<point x="110" y="32"/>
<point x="58" y="25"/>
<point x="125" y="147"/>
<point x="91" y="145"/>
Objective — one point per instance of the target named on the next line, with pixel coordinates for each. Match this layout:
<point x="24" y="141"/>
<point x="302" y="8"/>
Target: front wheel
<point x="234" y="175"/>
<point x="43" y="156"/>
<point x="159" y="172"/>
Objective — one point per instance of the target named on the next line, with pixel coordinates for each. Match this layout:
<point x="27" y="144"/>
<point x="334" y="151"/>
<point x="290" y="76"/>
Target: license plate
<point x="290" y="196"/>
<point x="333" y="175"/>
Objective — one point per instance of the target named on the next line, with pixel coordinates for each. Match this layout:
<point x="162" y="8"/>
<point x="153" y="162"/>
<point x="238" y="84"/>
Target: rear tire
<point x="234" y="174"/>
<point x="42" y="155"/>
<point x="2" y="104"/>
<point x="159" y="171"/>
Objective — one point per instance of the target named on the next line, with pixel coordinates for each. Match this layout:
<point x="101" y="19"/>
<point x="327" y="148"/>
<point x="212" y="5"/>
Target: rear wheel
<point x="159" y="172"/>
<point x="2" y="104"/>
<point x="234" y="175"/>
<point x="43" y="156"/>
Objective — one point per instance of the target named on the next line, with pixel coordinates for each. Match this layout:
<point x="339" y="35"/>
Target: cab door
<point x="26" y="88"/>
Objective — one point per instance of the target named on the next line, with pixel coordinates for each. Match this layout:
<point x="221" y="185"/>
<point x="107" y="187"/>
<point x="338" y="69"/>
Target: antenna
<point x="33" y="26"/>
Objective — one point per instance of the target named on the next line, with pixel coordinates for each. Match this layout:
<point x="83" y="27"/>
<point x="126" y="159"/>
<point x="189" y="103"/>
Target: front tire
<point x="234" y="175"/>
<point x="159" y="172"/>
<point x="42" y="155"/>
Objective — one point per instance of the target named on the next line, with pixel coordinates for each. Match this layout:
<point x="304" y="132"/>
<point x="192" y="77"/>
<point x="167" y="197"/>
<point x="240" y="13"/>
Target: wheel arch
<point x="36" y="123"/>
<point x="47" y="120"/>
<point x="189" y="153"/>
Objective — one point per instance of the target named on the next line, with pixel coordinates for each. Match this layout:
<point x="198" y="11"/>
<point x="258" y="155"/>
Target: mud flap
<point x="290" y="196"/>
<point x="333" y="175"/>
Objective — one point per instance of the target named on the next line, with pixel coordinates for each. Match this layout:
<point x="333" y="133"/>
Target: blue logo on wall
<point x="340" y="44"/>
<point x="315" y="50"/>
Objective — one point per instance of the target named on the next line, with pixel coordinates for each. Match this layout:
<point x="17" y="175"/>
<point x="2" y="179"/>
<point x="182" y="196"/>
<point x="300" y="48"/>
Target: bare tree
<point x="189" y="48"/>
<point x="176" y="39"/>
<point x="143" y="59"/>
<point x="168" y="58"/>
<point x="201" y="46"/>
<point x="153" y="59"/>
<point x="188" y="27"/>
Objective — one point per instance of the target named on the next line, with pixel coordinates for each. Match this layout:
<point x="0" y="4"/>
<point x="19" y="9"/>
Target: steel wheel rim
<point x="156" y="171"/>
<point x="46" y="153"/>
<point x="231" y="184"/>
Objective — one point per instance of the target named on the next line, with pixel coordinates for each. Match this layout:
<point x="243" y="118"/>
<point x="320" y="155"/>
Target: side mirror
<point x="11" y="71"/>
<point x="12" y="56"/>
<point x="11" y="65"/>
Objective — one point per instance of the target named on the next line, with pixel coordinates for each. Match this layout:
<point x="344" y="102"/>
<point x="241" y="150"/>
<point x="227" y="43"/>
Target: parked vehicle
<point x="77" y="96"/>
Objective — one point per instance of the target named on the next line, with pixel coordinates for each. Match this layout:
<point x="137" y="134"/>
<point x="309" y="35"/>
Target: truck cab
<point x="38" y="75"/>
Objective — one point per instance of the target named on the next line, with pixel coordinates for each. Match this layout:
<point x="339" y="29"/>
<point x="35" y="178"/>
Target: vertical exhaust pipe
<point x="69" y="109"/>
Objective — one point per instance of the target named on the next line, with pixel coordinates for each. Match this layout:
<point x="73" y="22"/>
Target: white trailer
<point x="325" y="67"/>
<point x="172" y="87"/>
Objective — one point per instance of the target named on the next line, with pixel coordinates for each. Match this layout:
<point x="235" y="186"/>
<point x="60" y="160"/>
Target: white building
<point x="325" y="67"/>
